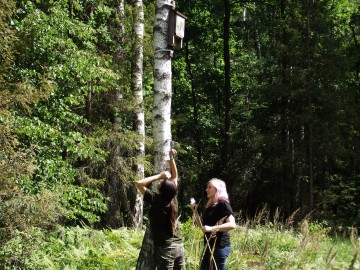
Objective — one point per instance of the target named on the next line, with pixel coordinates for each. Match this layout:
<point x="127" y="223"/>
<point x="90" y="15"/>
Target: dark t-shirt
<point x="214" y="214"/>
<point x="160" y="221"/>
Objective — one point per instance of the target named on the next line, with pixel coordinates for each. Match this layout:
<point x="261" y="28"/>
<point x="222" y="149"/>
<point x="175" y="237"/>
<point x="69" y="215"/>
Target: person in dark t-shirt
<point x="163" y="216"/>
<point x="217" y="220"/>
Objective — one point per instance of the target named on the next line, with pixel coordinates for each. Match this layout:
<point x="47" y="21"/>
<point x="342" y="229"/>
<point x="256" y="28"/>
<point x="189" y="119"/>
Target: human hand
<point x="165" y="175"/>
<point x="172" y="153"/>
<point x="206" y="228"/>
<point x="193" y="204"/>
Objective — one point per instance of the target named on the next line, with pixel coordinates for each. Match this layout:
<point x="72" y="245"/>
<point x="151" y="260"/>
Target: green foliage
<point x="59" y="57"/>
<point x="294" y="109"/>
<point x="72" y="248"/>
<point x="82" y="202"/>
<point x="253" y="246"/>
<point x="6" y="50"/>
<point x="293" y="76"/>
<point x="21" y="212"/>
<point x="18" y="210"/>
<point x="340" y="201"/>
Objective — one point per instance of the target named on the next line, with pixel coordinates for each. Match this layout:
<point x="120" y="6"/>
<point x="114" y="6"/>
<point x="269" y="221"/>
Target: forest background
<point x="265" y="96"/>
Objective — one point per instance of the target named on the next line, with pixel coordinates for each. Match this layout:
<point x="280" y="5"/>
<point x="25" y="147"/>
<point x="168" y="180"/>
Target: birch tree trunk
<point x="161" y="113"/>
<point x="137" y="90"/>
<point x="162" y="85"/>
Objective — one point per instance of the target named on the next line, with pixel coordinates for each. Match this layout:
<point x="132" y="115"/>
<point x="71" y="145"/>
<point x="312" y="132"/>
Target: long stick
<point x="199" y="223"/>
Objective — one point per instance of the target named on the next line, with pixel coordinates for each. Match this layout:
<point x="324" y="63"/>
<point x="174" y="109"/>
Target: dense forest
<point x="265" y="95"/>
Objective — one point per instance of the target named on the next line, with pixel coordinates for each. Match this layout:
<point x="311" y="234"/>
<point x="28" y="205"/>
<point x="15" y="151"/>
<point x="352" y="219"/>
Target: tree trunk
<point x="352" y="26"/>
<point x="146" y="256"/>
<point x="88" y="107"/>
<point x="162" y="86"/>
<point x="197" y="135"/>
<point x="161" y="113"/>
<point x="117" y="188"/>
<point x="137" y="89"/>
<point x="309" y="119"/>
<point x="257" y="38"/>
<point x="227" y="87"/>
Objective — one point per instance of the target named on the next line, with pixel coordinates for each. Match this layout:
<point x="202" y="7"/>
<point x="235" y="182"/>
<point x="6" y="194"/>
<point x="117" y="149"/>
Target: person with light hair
<point x="217" y="220"/>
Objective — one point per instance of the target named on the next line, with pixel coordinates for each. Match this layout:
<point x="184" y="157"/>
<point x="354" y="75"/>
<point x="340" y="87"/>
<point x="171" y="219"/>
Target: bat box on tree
<point x="176" y="29"/>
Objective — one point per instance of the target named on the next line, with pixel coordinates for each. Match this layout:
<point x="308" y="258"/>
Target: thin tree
<point x="310" y="105"/>
<point x="116" y="188"/>
<point x="137" y="90"/>
<point x="195" y="104"/>
<point x="227" y="86"/>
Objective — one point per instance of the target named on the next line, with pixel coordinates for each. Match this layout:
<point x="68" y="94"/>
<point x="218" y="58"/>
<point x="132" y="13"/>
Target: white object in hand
<point x="192" y="201"/>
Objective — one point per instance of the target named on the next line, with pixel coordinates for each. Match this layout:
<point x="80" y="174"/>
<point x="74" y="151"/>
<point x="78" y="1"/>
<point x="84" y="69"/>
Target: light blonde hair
<point x="221" y="192"/>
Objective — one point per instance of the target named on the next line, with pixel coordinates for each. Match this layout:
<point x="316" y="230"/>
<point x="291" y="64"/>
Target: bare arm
<point x="227" y="226"/>
<point x="143" y="183"/>
<point x="172" y="164"/>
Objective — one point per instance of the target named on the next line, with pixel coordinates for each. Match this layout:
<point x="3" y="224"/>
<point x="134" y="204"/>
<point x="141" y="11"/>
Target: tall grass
<point x="260" y="243"/>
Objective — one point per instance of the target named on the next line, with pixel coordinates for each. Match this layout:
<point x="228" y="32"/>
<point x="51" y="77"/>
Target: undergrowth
<point x="256" y="246"/>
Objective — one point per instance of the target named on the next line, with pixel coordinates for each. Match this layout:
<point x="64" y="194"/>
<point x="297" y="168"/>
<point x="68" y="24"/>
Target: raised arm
<point x="172" y="164"/>
<point x="143" y="183"/>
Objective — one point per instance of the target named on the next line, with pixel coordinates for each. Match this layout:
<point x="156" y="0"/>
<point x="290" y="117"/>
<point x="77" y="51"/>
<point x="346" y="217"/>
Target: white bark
<point x="137" y="89"/>
<point x="120" y="55"/>
<point x="162" y="86"/>
<point x="161" y="114"/>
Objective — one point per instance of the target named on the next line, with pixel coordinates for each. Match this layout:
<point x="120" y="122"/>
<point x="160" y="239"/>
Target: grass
<point x="271" y="247"/>
<point x="254" y="246"/>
